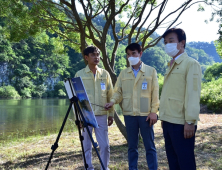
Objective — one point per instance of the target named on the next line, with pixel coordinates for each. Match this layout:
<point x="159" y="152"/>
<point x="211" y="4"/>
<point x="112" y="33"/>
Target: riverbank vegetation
<point x="34" y="152"/>
<point x="36" y="65"/>
<point x="33" y="65"/>
<point x="211" y="92"/>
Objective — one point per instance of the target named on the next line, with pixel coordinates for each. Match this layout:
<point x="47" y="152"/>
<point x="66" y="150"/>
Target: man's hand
<point x="189" y="130"/>
<point x="108" y="105"/>
<point x="110" y="120"/>
<point x="153" y="118"/>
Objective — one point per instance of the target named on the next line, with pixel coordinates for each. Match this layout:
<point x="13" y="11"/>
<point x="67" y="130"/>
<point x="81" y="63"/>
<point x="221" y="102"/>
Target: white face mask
<point x="171" y="49"/>
<point x="133" y="60"/>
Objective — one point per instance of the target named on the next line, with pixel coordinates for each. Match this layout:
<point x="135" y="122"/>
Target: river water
<point x="22" y="118"/>
<point x="28" y="117"/>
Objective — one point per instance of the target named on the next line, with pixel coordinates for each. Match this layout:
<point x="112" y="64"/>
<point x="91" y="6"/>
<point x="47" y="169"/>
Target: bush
<point x="26" y="93"/>
<point x="59" y="89"/>
<point x="213" y="72"/>
<point x="211" y="94"/>
<point x="8" y="92"/>
<point x="61" y="93"/>
<point x="44" y="95"/>
<point x="38" y="91"/>
<point x="48" y="93"/>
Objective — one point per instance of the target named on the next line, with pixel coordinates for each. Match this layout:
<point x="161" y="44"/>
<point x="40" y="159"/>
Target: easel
<point x="79" y="117"/>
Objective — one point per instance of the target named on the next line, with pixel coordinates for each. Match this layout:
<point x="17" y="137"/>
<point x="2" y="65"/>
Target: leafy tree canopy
<point x="213" y="72"/>
<point x="77" y="30"/>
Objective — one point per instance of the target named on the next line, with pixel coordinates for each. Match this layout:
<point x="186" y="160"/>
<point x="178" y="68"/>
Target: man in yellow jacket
<point x="99" y="88"/>
<point x="179" y="102"/>
<point x="138" y="89"/>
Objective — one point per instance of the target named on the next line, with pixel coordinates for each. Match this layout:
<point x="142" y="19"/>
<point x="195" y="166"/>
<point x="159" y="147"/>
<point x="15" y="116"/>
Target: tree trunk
<point x="120" y="125"/>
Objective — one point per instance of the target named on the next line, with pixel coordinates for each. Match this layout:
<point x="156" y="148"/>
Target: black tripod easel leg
<point x="75" y="99"/>
<point x="55" y="146"/>
<point x="80" y="137"/>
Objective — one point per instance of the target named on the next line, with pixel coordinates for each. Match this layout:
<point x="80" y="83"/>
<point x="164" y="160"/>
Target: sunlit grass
<point x="33" y="152"/>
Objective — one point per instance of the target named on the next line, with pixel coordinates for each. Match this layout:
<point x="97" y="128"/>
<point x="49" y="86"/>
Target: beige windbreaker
<point x="180" y="95"/>
<point x="94" y="91"/>
<point x="128" y="89"/>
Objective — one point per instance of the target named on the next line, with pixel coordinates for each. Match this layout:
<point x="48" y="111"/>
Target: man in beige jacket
<point x="138" y="89"/>
<point x="98" y="85"/>
<point x="179" y="102"/>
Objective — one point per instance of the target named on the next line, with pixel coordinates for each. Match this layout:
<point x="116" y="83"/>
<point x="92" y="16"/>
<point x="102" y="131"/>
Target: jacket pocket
<point x="176" y="107"/>
<point x="88" y="82"/>
<point x="127" y="84"/>
<point x="144" y="104"/>
<point x="127" y="103"/>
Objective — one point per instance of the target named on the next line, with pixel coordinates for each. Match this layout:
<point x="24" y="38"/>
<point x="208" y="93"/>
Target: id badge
<point x="144" y="85"/>
<point x="103" y="85"/>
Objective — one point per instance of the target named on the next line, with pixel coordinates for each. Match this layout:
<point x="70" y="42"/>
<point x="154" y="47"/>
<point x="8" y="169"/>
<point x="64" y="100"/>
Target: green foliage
<point x="160" y="81"/>
<point x="76" y="63"/>
<point x="199" y="55"/>
<point x="61" y="93"/>
<point x="22" y="84"/>
<point x="157" y="58"/>
<point x="120" y="60"/>
<point x="26" y="93"/>
<point x="30" y="18"/>
<point x="213" y="72"/>
<point x="32" y="64"/>
<point x="211" y="94"/>
<point x="38" y="91"/>
<point x="59" y="89"/>
<point x="8" y="92"/>
<point x="219" y="47"/>
<point x="209" y="48"/>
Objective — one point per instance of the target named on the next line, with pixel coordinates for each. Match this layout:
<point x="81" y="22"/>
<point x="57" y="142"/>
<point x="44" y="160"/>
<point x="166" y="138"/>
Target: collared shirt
<point x="136" y="71"/>
<point x="96" y="94"/>
<point x="174" y="59"/>
<point x="137" y="101"/>
<point x="178" y="56"/>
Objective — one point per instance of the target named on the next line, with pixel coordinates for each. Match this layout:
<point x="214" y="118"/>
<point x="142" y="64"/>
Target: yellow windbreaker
<point x="135" y="100"/>
<point x="96" y="94"/>
<point x="180" y="95"/>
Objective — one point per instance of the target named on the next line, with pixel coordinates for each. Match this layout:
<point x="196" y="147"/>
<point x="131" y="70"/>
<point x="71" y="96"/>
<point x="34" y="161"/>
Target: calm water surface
<point x="22" y="118"/>
<point x="31" y="117"/>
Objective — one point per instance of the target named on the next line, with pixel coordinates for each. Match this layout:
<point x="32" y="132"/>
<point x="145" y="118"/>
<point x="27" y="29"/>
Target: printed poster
<point x="84" y="102"/>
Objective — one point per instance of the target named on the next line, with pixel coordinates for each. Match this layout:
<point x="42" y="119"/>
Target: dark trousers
<point x="133" y="124"/>
<point x="180" y="151"/>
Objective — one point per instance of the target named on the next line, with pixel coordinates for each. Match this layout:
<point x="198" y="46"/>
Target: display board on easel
<point x="75" y="87"/>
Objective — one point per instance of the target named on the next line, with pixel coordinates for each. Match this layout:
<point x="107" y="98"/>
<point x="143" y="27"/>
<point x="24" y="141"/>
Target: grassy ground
<point x="34" y="152"/>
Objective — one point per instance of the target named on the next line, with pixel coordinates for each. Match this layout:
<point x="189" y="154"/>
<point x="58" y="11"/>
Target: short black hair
<point x="133" y="47"/>
<point x="180" y="34"/>
<point x="90" y="49"/>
